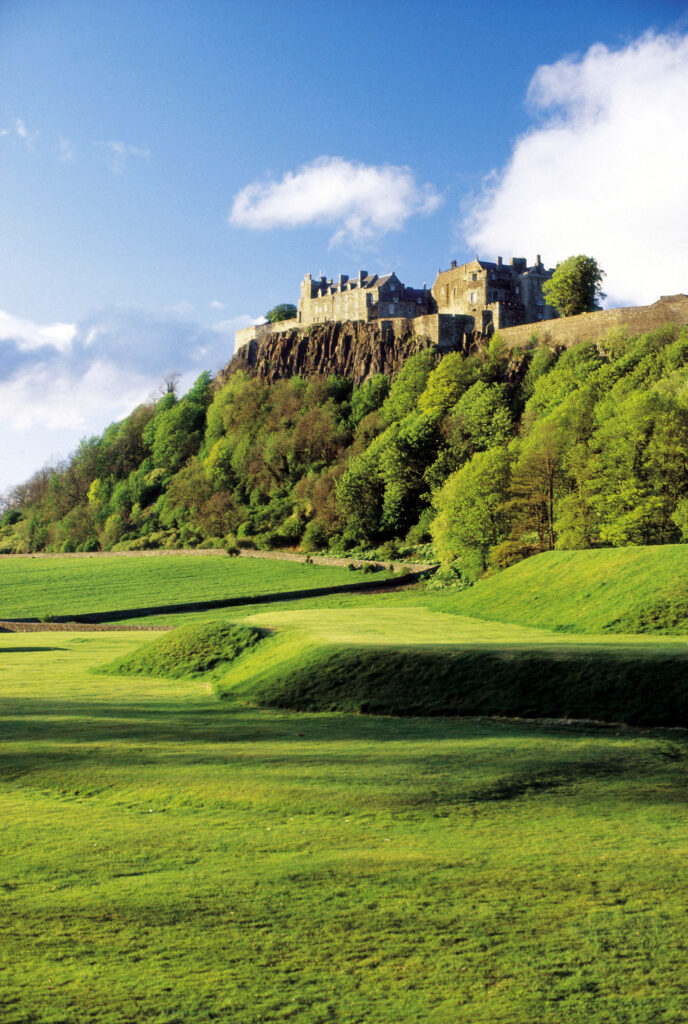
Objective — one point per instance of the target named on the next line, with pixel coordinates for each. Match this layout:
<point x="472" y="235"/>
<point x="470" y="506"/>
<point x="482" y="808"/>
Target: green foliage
<point x="187" y="651"/>
<point x="409" y="385"/>
<point x="597" y="440"/>
<point x="368" y="397"/>
<point x="285" y="311"/>
<point x="470" y="513"/>
<point x="575" y="286"/>
<point x="446" y="383"/>
<point x="481" y="419"/>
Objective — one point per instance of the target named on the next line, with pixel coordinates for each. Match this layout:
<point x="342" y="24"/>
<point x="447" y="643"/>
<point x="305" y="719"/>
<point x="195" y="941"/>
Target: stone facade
<point x="365" y="297"/>
<point x="479" y="297"/>
<point x="495" y="295"/>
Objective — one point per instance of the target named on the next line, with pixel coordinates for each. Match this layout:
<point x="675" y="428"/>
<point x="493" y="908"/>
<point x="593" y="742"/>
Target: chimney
<point x="362" y="274"/>
<point x="538" y="261"/>
<point x="453" y="264"/>
<point x="499" y="261"/>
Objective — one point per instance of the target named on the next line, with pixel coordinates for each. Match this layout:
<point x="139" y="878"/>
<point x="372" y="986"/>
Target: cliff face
<point x="356" y="350"/>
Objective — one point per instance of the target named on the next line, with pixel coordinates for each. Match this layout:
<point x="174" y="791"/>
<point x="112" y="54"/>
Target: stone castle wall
<point x="568" y="331"/>
<point x="358" y="349"/>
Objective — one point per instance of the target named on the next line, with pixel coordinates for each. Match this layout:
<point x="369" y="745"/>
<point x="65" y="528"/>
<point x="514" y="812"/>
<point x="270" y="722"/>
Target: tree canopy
<point x="486" y="457"/>
<point x="575" y="286"/>
<point x="285" y="311"/>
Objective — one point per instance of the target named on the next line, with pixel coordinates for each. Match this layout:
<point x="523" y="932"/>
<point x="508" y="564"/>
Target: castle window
<point x="474" y="277"/>
<point x="474" y="297"/>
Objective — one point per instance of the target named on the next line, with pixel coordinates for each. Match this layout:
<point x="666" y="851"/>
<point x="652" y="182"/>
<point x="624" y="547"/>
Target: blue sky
<point x="171" y="170"/>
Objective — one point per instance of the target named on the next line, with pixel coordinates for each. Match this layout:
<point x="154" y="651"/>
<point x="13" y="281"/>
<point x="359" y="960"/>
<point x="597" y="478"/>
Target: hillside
<point x="611" y="590"/>
<point x="478" y="461"/>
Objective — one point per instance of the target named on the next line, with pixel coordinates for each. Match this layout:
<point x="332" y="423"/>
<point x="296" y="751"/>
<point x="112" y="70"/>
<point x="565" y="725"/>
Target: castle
<point x="476" y="298"/>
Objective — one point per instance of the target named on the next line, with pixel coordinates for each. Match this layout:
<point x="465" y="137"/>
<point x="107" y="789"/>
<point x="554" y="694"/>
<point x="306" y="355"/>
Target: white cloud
<point x="28" y="336"/>
<point x="21" y="128"/>
<point x="122" y="152"/>
<point x="604" y="173"/>
<point x="65" y="153"/>
<point x="59" y="382"/>
<point x="361" y="201"/>
<point x="216" y="304"/>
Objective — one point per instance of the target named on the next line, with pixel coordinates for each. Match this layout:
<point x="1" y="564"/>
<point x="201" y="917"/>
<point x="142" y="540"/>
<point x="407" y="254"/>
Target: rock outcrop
<point x="356" y="350"/>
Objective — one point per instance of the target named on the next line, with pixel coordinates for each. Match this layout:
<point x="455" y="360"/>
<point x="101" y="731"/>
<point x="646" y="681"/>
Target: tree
<point x="470" y="512"/>
<point x="409" y="385"/>
<point x="575" y="286"/>
<point x="285" y="311"/>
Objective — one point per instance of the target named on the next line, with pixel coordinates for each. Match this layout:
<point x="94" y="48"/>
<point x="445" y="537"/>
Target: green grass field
<point x="66" y="587"/>
<point x="170" y="858"/>
<point x="621" y="590"/>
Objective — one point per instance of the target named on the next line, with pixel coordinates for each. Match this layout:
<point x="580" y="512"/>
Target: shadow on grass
<point x="29" y="650"/>
<point x="75" y="749"/>
<point x="636" y="686"/>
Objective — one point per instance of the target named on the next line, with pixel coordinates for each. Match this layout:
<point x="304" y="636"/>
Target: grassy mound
<point x="187" y="651"/>
<point x="609" y="590"/>
<point x="639" y="684"/>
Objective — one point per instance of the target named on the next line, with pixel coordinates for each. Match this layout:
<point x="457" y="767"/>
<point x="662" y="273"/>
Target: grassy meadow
<point x="617" y="590"/>
<point x="168" y="856"/>
<point x="36" y="587"/>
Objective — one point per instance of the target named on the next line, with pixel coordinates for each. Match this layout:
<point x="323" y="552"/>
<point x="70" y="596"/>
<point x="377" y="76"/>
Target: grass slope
<point x="36" y="587"/>
<point x="190" y="650"/>
<point x="170" y="858"/>
<point x="623" y="590"/>
<point x="411" y="661"/>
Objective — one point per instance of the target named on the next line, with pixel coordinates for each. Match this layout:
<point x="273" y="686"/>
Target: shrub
<point x="315" y="537"/>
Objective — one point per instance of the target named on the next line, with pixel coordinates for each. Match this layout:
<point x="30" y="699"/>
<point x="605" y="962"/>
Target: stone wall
<point x="257" y="331"/>
<point x="568" y="331"/>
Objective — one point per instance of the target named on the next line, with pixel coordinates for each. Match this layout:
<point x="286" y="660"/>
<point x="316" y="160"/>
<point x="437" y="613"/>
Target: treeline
<point x="481" y="460"/>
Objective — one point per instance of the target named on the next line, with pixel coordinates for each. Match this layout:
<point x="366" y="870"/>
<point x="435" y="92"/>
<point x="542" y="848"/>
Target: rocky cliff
<point x="356" y="350"/>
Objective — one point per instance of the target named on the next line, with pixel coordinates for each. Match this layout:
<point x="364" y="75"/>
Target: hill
<point x="610" y="590"/>
<point x="489" y="457"/>
<point x="381" y="659"/>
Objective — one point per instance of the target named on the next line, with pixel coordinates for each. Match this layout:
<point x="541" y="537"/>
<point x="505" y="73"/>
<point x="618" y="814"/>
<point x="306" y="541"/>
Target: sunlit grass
<point x="170" y="858"/>
<point x="633" y="589"/>
<point x="40" y="587"/>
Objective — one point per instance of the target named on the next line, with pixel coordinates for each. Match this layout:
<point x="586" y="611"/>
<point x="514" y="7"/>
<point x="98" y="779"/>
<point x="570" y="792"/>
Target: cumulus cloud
<point x="361" y="201"/>
<point x="603" y="173"/>
<point x="28" y="336"/>
<point x="59" y="381"/>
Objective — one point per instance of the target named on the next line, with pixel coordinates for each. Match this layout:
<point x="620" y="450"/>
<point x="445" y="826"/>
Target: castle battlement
<point x="481" y="296"/>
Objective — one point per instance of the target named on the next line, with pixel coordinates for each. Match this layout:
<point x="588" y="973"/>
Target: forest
<point x="476" y="461"/>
